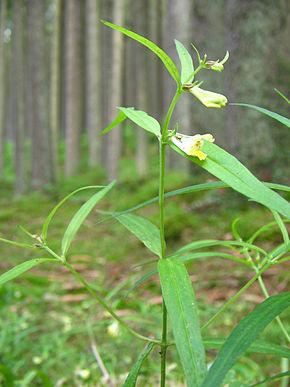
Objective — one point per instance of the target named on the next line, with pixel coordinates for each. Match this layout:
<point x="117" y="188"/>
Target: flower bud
<point x="217" y="65"/>
<point x="191" y="145"/>
<point x="209" y="98"/>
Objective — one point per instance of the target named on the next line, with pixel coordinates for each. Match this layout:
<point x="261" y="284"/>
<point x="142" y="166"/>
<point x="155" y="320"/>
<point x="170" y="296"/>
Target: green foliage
<point x="243" y="336"/>
<point x="133" y="374"/>
<point x="187" y="69"/>
<point x="143" y="120"/>
<point x="182" y="309"/>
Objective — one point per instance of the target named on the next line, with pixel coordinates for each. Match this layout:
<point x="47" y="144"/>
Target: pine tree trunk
<point x="142" y="60"/>
<point x="93" y="80"/>
<point x="38" y="86"/>
<point x="179" y="27"/>
<point x="55" y="97"/>
<point x="3" y="96"/>
<point x="115" y="98"/>
<point x="18" y="91"/>
<point x="72" y="86"/>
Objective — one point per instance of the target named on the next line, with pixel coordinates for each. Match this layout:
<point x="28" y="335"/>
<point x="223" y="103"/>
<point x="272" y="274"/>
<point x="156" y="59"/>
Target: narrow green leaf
<point x="282" y="226"/>
<point x="143" y="120"/>
<point x="133" y="374"/>
<point x="212" y="242"/>
<point x="193" y="189"/>
<point x="257" y="347"/>
<point x="22" y="268"/>
<point x="282" y="95"/>
<point x="244" y="334"/>
<point x="182" y="309"/>
<point x="80" y="216"/>
<point x="187" y="69"/>
<point x="17" y="244"/>
<point x="57" y="207"/>
<point x="166" y="60"/>
<point x="117" y="121"/>
<point x="144" y="230"/>
<point x="231" y="171"/>
<point x="279" y="376"/>
<point x="283" y="120"/>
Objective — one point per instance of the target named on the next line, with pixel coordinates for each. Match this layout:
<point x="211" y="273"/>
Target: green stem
<point x="162" y="163"/>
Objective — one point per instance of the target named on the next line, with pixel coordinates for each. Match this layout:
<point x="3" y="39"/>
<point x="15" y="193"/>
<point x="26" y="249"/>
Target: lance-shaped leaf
<point x="187" y="69"/>
<point x="117" y="121"/>
<point x="80" y="216"/>
<point x="256" y="347"/>
<point x="57" y="207"/>
<point x="143" y="120"/>
<point x="231" y="171"/>
<point x="133" y="374"/>
<point x="283" y="120"/>
<point x="22" y="268"/>
<point x="244" y="334"/>
<point x="182" y="309"/>
<point x="279" y="376"/>
<point x="166" y="60"/>
<point x="144" y="230"/>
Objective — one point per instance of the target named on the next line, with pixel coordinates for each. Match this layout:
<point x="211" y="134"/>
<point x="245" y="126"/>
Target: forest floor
<point x="49" y="325"/>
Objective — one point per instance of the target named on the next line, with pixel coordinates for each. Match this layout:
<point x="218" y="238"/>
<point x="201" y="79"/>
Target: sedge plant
<point x="179" y="306"/>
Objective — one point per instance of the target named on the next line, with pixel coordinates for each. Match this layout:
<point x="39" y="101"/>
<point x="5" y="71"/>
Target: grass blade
<point x="143" y="120"/>
<point x="144" y="230"/>
<point x="279" y="376"/>
<point x="166" y="60"/>
<point x="244" y="334"/>
<point x="17" y="244"/>
<point x="22" y="268"/>
<point x="257" y="347"/>
<point x="182" y="309"/>
<point x="187" y="69"/>
<point x="133" y="374"/>
<point x="229" y="169"/>
<point x="80" y="216"/>
<point x="56" y="208"/>
<point x="283" y="120"/>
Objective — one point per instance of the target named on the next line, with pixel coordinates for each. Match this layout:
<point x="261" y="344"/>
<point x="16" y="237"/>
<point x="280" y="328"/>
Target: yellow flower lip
<point x="191" y="145"/>
<point x="209" y="98"/>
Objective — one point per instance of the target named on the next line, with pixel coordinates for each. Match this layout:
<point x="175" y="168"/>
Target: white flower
<point x="191" y="145"/>
<point x="114" y="329"/>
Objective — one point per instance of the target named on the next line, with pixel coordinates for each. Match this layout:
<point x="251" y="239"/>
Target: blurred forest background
<point x="63" y="73"/>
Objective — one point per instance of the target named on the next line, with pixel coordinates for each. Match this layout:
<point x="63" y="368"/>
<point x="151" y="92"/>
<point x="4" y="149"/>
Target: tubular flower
<point x="209" y="98"/>
<point x="191" y="145"/>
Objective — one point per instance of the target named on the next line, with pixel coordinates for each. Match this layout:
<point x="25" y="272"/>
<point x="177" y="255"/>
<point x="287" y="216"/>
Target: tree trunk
<point x="3" y="96"/>
<point x="179" y="27"/>
<point x="93" y="80"/>
<point x="142" y="59"/>
<point x="115" y="97"/>
<point x="72" y="87"/>
<point x="55" y="97"/>
<point x="38" y="85"/>
<point x="18" y="91"/>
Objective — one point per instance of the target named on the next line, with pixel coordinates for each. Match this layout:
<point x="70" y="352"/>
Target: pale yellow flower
<point x="191" y="145"/>
<point x="209" y="98"/>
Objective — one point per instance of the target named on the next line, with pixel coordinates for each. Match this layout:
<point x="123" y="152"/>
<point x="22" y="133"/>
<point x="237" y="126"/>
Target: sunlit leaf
<point x="117" y="121"/>
<point x="231" y="171"/>
<point x="182" y="309"/>
<point x="167" y="61"/>
<point x="187" y="69"/>
<point x="143" y="120"/>
<point x="244" y="335"/>
<point x="144" y="230"/>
